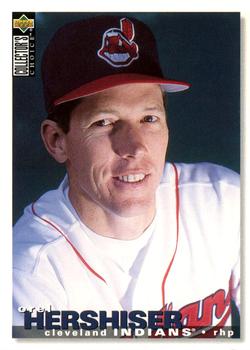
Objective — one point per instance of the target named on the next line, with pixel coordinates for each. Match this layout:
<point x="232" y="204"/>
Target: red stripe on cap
<point x="120" y="79"/>
<point x="71" y="244"/>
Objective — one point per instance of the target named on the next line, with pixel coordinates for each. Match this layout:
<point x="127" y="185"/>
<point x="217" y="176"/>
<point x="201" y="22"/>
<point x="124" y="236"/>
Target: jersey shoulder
<point x="30" y="239"/>
<point x="206" y="173"/>
<point x="33" y="234"/>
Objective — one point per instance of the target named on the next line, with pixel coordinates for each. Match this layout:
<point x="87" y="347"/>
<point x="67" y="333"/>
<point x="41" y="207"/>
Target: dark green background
<point x="200" y="48"/>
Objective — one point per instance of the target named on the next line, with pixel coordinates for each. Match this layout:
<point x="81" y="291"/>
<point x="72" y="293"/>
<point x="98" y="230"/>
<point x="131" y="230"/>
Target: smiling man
<point x="124" y="230"/>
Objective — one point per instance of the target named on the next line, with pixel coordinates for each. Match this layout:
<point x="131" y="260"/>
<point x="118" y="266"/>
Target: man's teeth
<point x="132" y="178"/>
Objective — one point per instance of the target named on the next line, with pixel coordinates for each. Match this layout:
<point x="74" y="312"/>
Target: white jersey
<point x="188" y="259"/>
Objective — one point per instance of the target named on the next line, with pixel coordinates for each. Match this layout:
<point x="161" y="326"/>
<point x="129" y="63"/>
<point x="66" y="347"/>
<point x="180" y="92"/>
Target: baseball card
<point x="126" y="175"/>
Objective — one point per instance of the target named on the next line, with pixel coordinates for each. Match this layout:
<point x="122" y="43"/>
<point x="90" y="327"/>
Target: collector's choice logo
<point x="23" y="33"/>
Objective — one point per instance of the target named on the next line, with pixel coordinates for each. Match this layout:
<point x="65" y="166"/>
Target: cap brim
<point x="120" y="79"/>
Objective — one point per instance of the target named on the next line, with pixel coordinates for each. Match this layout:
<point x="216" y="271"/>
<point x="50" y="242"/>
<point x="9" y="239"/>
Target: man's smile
<point x="131" y="180"/>
<point x="132" y="177"/>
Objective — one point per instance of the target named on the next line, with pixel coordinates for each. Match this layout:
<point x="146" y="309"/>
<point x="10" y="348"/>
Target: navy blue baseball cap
<point x="89" y="56"/>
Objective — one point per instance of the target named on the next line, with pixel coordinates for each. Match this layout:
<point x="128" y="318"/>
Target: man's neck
<point x="109" y="224"/>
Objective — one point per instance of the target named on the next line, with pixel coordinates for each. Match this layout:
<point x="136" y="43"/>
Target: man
<point x="124" y="230"/>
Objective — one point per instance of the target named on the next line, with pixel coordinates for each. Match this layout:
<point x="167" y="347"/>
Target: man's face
<point x="116" y="149"/>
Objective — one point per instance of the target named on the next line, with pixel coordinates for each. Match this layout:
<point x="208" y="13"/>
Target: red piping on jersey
<point x="71" y="244"/>
<point x="177" y="236"/>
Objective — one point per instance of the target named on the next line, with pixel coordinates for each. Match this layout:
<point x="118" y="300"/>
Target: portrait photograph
<point x="126" y="175"/>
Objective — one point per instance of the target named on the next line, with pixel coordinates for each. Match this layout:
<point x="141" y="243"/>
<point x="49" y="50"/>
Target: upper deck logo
<point x="23" y="23"/>
<point x="118" y="47"/>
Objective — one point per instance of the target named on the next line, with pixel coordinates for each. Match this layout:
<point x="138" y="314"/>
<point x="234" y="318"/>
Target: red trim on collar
<point x="177" y="201"/>
<point x="71" y="244"/>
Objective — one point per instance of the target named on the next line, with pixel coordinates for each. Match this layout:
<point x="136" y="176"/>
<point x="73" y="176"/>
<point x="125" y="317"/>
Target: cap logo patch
<point x="118" y="47"/>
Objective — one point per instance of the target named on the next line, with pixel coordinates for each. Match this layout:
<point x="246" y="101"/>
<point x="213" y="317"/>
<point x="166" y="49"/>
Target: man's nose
<point x="129" y="142"/>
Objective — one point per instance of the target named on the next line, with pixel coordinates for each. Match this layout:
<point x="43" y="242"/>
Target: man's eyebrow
<point x="154" y="108"/>
<point x="103" y="111"/>
<point x="93" y="114"/>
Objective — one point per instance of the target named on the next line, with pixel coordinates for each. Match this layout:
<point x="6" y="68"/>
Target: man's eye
<point x="102" y="122"/>
<point x="150" y="119"/>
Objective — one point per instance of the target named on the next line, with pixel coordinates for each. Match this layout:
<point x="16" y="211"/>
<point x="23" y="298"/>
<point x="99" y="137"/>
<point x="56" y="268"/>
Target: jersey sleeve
<point x="214" y="187"/>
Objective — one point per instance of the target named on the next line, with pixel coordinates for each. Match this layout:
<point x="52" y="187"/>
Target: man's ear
<point x="54" y="140"/>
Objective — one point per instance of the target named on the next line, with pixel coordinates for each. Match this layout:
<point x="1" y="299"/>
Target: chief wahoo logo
<point x="118" y="47"/>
